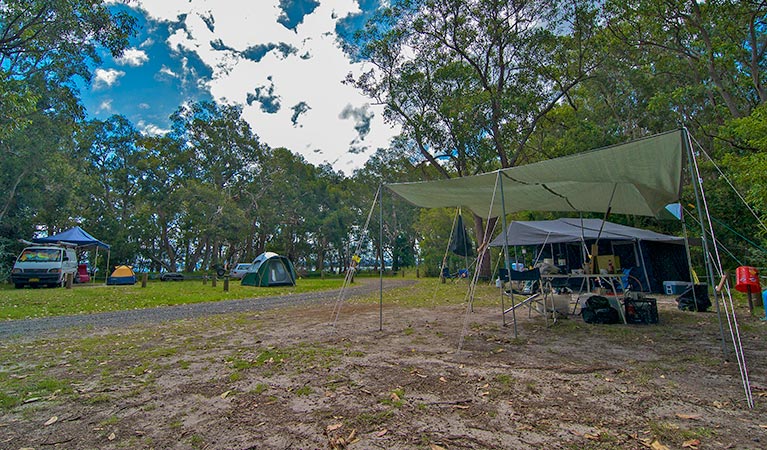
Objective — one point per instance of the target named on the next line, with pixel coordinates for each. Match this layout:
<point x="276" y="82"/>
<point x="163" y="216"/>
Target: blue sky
<point x="279" y="59"/>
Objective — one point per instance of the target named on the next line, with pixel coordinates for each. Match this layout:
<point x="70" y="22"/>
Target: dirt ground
<point x="434" y="377"/>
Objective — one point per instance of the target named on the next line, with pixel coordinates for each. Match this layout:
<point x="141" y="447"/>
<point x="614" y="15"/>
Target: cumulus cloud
<point x="151" y="129"/>
<point x="106" y="78"/>
<point x="132" y="57"/>
<point x="106" y="105"/>
<point x="275" y="58"/>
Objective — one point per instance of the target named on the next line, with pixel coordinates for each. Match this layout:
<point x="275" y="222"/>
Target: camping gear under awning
<point x="640" y="178"/>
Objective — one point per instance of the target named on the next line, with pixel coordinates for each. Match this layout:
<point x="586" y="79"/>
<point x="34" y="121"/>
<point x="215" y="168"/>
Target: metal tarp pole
<point x="506" y="259"/>
<point x="696" y="187"/>
<point x="380" y="252"/>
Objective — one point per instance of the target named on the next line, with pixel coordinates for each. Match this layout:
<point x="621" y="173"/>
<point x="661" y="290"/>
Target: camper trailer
<point x="44" y="265"/>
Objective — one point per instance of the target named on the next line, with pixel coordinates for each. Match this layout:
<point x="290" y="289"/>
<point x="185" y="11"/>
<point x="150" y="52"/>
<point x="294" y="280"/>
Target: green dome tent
<point x="270" y="269"/>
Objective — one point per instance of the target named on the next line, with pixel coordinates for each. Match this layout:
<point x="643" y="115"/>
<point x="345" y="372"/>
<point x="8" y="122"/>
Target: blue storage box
<point x="675" y="287"/>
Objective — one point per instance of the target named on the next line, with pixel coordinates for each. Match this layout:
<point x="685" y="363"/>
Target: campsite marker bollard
<point x="213" y="280"/>
<point x="226" y="283"/>
<point x="69" y="278"/>
<point x="143" y="279"/>
<point x="204" y="280"/>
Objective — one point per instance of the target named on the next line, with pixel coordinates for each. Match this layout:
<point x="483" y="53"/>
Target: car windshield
<point x="40" y="255"/>
<point x="242" y="266"/>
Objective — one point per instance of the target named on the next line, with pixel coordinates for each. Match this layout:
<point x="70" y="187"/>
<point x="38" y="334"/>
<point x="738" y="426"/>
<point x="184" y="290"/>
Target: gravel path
<point x="31" y="328"/>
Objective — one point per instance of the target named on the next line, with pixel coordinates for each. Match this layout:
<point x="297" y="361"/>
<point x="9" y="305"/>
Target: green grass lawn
<point x="83" y="299"/>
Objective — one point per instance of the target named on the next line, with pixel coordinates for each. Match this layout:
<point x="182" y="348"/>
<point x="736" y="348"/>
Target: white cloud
<point x="132" y="57"/>
<point x="106" y="105"/>
<point x="150" y="129"/>
<point x="324" y="135"/>
<point x="106" y="78"/>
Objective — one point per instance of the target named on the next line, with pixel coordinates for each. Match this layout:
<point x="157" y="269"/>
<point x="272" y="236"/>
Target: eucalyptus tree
<point x="44" y="47"/>
<point x="471" y="80"/>
<point x="114" y="164"/>
<point x="217" y="153"/>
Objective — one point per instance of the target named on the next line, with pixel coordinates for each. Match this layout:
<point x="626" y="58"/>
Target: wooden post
<point x="204" y="280"/>
<point x="226" y="283"/>
<point x="143" y="279"/>
<point x="69" y="279"/>
<point x="213" y="280"/>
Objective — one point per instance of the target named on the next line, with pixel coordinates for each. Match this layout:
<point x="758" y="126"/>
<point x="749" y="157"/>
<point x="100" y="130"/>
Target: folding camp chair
<point x="531" y="290"/>
<point x="462" y="273"/>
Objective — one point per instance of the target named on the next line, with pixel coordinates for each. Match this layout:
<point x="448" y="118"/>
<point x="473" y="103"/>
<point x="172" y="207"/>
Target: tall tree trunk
<point x="483" y="263"/>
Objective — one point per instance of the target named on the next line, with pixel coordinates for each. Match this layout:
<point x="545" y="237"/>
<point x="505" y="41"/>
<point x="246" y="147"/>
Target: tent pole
<point x="689" y="259"/>
<point x="506" y="259"/>
<point x="95" y="265"/>
<point x="696" y="184"/>
<point x="106" y="271"/>
<point x="730" y="312"/>
<point x="380" y="253"/>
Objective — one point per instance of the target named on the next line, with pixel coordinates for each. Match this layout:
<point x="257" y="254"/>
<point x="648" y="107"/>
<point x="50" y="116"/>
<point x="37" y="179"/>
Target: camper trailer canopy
<point x="639" y="178"/>
<point x="574" y="230"/>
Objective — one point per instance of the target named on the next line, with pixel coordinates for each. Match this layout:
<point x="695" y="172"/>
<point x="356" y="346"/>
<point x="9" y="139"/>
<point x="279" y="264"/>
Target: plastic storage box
<point x="675" y="287"/>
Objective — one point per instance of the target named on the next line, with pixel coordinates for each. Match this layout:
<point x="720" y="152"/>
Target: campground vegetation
<point x="471" y="89"/>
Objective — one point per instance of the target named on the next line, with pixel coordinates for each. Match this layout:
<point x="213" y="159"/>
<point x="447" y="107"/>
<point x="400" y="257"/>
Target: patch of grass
<point x="184" y="364"/>
<point x="366" y="419"/>
<point x="395" y="398"/>
<point x="99" y="398"/>
<point x="303" y="391"/>
<point x="196" y="441"/>
<point x="671" y="433"/>
<point x="8" y="401"/>
<point x="408" y="331"/>
<point x="111" y="420"/>
<point x="31" y="303"/>
<point x="260" y="389"/>
<point x="235" y="376"/>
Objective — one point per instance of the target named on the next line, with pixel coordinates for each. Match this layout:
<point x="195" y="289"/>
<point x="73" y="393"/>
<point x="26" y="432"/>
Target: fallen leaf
<point x="500" y="350"/>
<point x="394" y="397"/>
<point x="442" y="379"/>
<point x="334" y="427"/>
<point x="51" y="421"/>
<point x="31" y="399"/>
<point x="436" y="447"/>
<point x="112" y="437"/>
<point x="692" y="443"/>
<point x="225" y="394"/>
<point x="688" y="416"/>
<point x="382" y="432"/>
<point x="762" y="426"/>
<point x="483" y="394"/>
<point x="352" y="435"/>
<point x="460" y="407"/>
<point x="658" y="446"/>
<point x="593" y="437"/>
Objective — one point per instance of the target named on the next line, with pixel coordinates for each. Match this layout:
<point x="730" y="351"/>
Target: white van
<point x="44" y="265"/>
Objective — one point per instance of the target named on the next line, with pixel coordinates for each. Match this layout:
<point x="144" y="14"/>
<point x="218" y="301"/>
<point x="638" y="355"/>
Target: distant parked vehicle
<point x="46" y="265"/>
<point x="172" y="276"/>
<point x="239" y="270"/>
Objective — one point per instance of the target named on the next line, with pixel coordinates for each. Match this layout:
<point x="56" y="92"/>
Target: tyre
<point x="18" y="285"/>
